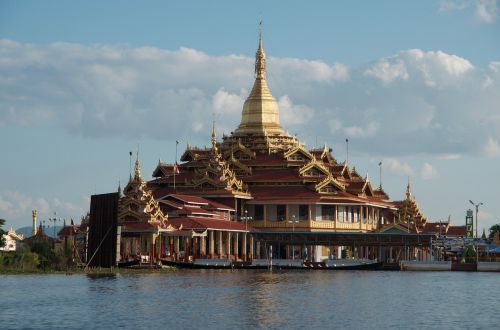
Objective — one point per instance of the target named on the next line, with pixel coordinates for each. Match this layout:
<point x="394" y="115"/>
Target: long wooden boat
<point x="276" y="264"/>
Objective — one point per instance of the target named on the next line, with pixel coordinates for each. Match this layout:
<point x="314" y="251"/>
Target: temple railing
<point x="313" y="225"/>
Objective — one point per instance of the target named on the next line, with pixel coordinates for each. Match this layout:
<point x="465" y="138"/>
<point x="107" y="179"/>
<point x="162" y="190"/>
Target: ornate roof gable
<point x="138" y="203"/>
<point x="313" y="168"/>
<point x="298" y="153"/>
<point x="216" y="173"/>
<point x="329" y="185"/>
<point x="409" y="211"/>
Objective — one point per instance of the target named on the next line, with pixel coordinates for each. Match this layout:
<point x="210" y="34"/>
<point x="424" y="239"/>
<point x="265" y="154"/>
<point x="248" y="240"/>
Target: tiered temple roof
<point x="260" y="161"/>
<point x="138" y="210"/>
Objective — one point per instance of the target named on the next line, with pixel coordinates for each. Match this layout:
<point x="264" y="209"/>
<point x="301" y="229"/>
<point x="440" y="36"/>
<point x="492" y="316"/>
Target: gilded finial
<point x="260" y="57"/>
<point x="408" y="190"/>
<point x="137" y="176"/>
<point x="214" y="138"/>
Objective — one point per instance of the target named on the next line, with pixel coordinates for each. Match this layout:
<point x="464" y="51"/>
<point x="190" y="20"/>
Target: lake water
<point x="212" y="299"/>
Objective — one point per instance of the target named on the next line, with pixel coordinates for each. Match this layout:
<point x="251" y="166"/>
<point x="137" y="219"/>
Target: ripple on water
<point x="217" y="299"/>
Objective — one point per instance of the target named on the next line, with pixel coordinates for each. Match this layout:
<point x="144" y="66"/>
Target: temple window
<point x="303" y="212"/>
<point x="313" y="172"/>
<point x="364" y="210"/>
<point x="341" y="213"/>
<point x="327" y="212"/>
<point x="258" y="212"/>
<point x="327" y="189"/>
<point x="297" y="157"/>
<point x="280" y="212"/>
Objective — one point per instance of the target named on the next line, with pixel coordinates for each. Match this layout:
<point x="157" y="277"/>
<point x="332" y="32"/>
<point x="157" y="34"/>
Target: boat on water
<point x="340" y="264"/>
<point x="481" y="266"/>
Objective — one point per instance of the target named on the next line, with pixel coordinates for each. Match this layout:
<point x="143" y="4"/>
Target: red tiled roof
<point x="190" y="199"/>
<point x="456" y="231"/>
<point x="274" y="175"/>
<point x="171" y="203"/>
<point x="283" y="192"/>
<point x="68" y="231"/>
<point x="141" y="226"/>
<point x="83" y="227"/>
<point x="195" y="210"/>
<point x="262" y="160"/>
<point x="219" y="206"/>
<point x="203" y="223"/>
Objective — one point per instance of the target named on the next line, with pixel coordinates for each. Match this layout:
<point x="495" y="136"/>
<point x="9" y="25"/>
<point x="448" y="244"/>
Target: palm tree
<point x="493" y="230"/>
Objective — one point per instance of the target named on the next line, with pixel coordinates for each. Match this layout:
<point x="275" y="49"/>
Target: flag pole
<point x="175" y="163"/>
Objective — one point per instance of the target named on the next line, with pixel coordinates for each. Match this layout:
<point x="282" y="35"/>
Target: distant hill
<point x="26" y="231"/>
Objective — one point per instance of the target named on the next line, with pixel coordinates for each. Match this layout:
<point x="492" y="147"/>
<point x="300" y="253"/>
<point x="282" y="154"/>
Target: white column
<point x="211" y="243"/>
<point x="228" y="245"/>
<point x="244" y="247"/>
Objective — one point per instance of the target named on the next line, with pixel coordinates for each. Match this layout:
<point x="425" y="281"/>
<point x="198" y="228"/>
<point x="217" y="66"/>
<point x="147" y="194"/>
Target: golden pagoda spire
<point x="137" y="176"/>
<point x="260" y="112"/>
<point x="260" y="58"/>
<point x="408" y="190"/>
<point x="214" y="138"/>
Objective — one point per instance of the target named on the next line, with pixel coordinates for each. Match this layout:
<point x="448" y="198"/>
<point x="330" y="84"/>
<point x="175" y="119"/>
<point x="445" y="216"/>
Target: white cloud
<point x="491" y="149"/>
<point x="293" y="114"/>
<point x="306" y="70"/>
<point x="449" y="156"/>
<point x="425" y="102"/>
<point x="448" y="5"/>
<point x="362" y="132"/>
<point x="16" y="207"/>
<point x="394" y="166"/>
<point x="388" y="72"/>
<point x="487" y="11"/>
<point x="428" y="172"/>
<point x="228" y="104"/>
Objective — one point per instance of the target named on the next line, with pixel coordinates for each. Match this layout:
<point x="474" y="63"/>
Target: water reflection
<point x="251" y="299"/>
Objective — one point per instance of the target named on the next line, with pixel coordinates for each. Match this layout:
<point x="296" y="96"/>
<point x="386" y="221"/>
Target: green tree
<point x="2" y="232"/>
<point x="493" y="230"/>
<point x="46" y="254"/>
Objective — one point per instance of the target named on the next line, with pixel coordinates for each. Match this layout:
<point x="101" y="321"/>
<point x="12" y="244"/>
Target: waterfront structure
<point x="11" y="238"/>
<point x="205" y="230"/>
<point x="140" y="220"/>
<point x="177" y="227"/>
<point x="269" y="176"/>
<point x="40" y="236"/>
<point x="258" y="193"/>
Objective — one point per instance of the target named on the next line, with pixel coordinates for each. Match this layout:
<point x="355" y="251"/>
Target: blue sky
<point x="414" y="84"/>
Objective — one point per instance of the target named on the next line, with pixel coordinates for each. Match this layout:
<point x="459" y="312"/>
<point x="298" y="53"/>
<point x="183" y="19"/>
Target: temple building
<point x="269" y="176"/>
<point x="11" y="238"/>
<point x="258" y="192"/>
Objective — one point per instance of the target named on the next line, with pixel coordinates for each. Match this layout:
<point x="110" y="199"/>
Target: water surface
<point x="220" y="299"/>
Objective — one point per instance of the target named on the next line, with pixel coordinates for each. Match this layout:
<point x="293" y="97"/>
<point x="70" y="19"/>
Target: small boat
<point x="128" y="263"/>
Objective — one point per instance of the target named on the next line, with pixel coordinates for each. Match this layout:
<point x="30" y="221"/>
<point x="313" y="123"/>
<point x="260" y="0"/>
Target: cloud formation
<point x="15" y="205"/>
<point x="428" y="172"/>
<point x="415" y="101"/>
<point x="485" y="11"/>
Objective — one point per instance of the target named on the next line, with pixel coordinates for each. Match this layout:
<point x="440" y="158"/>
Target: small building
<point x="40" y="236"/>
<point x="205" y="229"/>
<point x="140" y="221"/>
<point x="496" y="238"/>
<point x="11" y="238"/>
